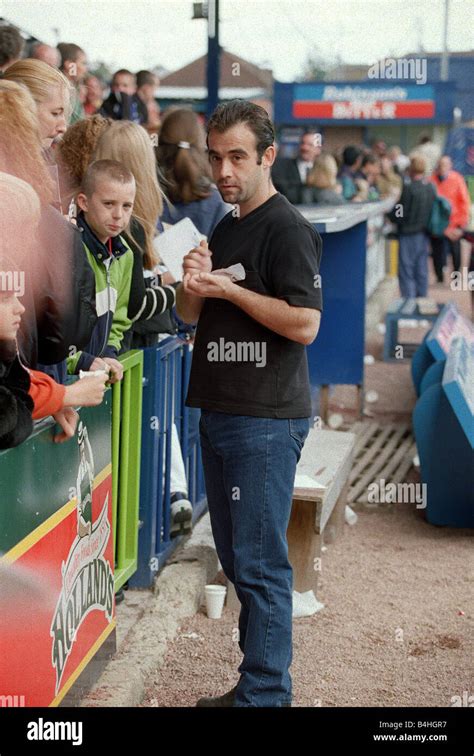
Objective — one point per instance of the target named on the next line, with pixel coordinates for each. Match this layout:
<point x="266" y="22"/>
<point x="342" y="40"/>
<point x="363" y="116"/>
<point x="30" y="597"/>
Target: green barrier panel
<point x="56" y="558"/>
<point x="126" y="448"/>
<point x="470" y="186"/>
<point x="38" y="477"/>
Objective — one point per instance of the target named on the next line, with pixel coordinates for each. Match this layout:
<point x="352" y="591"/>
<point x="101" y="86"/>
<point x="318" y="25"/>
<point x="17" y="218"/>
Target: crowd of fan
<point x="86" y="186"/>
<point x="85" y="191"/>
<point x="412" y="182"/>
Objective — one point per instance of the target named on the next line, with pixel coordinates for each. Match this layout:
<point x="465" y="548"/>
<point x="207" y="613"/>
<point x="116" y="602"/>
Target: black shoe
<point x="226" y="700"/>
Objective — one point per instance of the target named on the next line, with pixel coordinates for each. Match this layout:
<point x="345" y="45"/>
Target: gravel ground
<point x="397" y="628"/>
<point x="391" y="632"/>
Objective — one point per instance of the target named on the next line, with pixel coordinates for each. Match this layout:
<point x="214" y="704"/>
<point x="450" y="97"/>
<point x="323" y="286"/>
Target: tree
<point x="315" y="69"/>
<point x="101" y="70"/>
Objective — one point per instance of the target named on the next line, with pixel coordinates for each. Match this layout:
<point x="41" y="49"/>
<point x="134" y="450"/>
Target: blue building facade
<point x="397" y="110"/>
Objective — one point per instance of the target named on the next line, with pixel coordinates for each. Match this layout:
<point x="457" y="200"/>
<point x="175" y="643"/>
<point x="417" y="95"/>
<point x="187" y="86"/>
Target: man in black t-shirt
<point x="249" y="376"/>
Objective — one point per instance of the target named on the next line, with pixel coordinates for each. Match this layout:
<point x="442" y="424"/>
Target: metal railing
<point x="166" y="374"/>
<point x="126" y="450"/>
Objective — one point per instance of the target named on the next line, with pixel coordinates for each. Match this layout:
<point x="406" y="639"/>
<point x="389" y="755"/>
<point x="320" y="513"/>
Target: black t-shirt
<point x="239" y="366"/>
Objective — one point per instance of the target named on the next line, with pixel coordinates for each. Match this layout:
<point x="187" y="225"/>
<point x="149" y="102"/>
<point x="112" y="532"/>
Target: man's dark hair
<point x="11" y="44"/>
<point x="228" y="114"/>
<point x="350" y="155"/>
<point x="122" y="72"/>
<point x="145" y="77"/>
<point x="69" y="51"/>
<point x="370" y="160"/>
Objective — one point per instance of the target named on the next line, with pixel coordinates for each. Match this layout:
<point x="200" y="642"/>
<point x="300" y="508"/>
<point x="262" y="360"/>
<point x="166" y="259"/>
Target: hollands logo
<point x="87" y="577"/>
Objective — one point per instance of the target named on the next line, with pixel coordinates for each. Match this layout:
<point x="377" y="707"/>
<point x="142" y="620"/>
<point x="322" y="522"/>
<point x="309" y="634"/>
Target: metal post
<point x="445" y="56"/>
<point x="213" y="55"/>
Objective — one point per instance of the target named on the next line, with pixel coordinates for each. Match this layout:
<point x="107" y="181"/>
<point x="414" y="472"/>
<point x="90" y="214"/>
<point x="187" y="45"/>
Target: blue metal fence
<point x="165" y="379"/>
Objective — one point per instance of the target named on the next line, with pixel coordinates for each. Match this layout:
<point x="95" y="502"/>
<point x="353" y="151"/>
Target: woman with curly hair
<point x="75" y="152"/>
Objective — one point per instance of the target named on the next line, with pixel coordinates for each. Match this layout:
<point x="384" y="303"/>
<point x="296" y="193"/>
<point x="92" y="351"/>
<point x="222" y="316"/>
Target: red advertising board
<point x="376" y="109"/>
<point x="57" y="603"/>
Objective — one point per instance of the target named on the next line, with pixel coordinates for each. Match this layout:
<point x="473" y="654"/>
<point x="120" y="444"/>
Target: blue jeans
<point x="249" y="469"/>
<point x="413" y="265"/>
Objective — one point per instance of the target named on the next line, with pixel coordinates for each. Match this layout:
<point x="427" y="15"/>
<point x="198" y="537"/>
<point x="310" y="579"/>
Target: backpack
<point x="439" y="216"/>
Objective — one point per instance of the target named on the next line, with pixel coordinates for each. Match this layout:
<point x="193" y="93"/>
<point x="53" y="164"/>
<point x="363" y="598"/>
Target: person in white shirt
<point x="429" y="151"/>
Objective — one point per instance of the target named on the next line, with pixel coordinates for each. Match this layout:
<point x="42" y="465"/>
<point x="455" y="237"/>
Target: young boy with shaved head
<point x="106" y="203"/>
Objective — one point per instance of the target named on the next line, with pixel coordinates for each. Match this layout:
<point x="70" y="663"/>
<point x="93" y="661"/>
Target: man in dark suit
<point x="289" y="174"/>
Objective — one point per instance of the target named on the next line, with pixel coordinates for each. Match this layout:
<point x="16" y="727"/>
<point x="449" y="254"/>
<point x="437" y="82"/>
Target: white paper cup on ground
<point x="335" y="420"/>
<point x="372" y="396"/>
<point x="215" y="597"/>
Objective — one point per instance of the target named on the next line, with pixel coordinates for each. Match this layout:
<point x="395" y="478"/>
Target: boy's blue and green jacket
<point x="113" y="277"/>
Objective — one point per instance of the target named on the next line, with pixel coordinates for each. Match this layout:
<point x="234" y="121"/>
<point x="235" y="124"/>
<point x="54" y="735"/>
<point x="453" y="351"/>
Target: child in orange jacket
<point x="27" y="395"/>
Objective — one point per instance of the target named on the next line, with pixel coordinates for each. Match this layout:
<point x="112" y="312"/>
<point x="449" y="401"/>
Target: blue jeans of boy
<point x="249" y="468"/>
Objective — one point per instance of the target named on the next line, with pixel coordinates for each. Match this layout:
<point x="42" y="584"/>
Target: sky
<point x="279" y="34"/>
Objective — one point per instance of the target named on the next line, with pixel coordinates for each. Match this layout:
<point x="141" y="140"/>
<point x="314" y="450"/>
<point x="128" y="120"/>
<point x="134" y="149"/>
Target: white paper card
<point x="235" y="272"/>
<point x="174" y="243"/>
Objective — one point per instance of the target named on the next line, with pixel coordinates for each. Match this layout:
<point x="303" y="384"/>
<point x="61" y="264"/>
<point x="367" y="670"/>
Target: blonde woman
<point x="26" y="393"/>
<point x="51" y="92"/>
<point x="388" y="183"/>
<point x="323" y="180"/>
<point x="60" y="309"/>
<point x="20" y="139"/>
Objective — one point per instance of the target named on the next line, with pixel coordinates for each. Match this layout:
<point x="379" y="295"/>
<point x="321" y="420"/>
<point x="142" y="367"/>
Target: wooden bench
<point x="318" y="506"/>
<point x="319" y="501"/>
